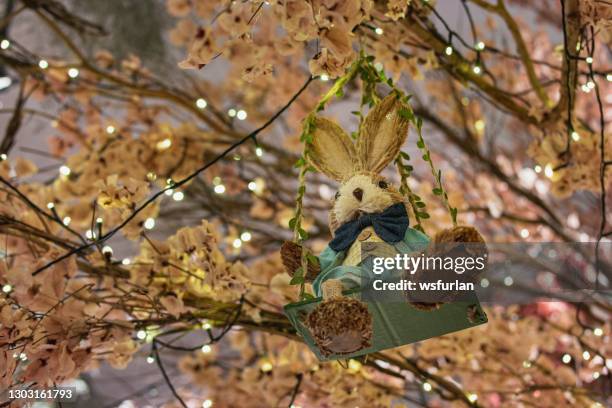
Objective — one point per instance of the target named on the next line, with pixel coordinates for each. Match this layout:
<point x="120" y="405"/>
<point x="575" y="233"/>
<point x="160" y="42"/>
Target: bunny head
<point x="357" y="166"/>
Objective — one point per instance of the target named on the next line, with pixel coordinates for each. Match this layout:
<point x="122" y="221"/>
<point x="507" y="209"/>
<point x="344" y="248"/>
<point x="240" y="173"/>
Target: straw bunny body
<point x="364" y="195"/>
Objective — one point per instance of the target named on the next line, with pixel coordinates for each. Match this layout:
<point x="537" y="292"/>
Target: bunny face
<point x="365" y="192"/>
<point x="358" y="165"/>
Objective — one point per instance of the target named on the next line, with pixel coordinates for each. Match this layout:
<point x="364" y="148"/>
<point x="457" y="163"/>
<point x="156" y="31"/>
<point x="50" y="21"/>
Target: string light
<point x="43" y="64"/>
<point x="598" y="332"/>
<point x="150" y="359"/>
<point x="586" y="355"/>
<point x="480" y="46"/>
<point x="241" y="114"/>
<point x="110" y="129"/>
<point x="73" y="73"/>
<point x="4" y="44"/>
<point x="589" y="60"/>
<point x="231" y="113"/>
<point x="267" y="367"/>
<point x="50" y="205"/>
<point x="252" y="185"/>
<point x="609" y="77"/>
<point x="89" y="234"/>
<point x="163" y="144"/>
<point x="3" y="157"/>
<point x="484" y="282"/>
<point x="178" y="196"/>
<point x="477" y="70"/>
<point x="258" y="151"/>
<point x="141" y="334"/>
<point x="566" y="358"/>
<point x="206" y="325"/>
<point x="245" y="236"/>
<point x="169" y="192"/>
<point x="64" y="170"/>
<point x="427" y="386"/>
<point x="149" y="223"/>
<point x="379" y="31"/>
<point x="575" y="136"/>
<point x="99" y="220"/>
<point x="237" y="243"/>
<point x="324" y="77"/>
<point x="7" y="288"/>
<point x="508" y="281"/>
<point x="206" y="349"/>
<point x="107" y="250"/>
<point x="126" y="261"/>
<point x="472" y="397"/>
<point x="67" y="220"/>
<point x="379" y="66"/>
<point x="448" y="50"/>
<point x="548" y="171"/>
<point x="207" y="403"/>
<point x="524" y="233"/>
<point x="220" y="189"/>
<point x="201" y="103"/>
<point x="479" y="125"/>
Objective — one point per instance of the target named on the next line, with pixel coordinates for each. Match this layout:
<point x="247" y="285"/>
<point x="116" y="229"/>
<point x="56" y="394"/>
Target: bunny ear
<point x="383" y="134"/>
<point x="332" y="150"/>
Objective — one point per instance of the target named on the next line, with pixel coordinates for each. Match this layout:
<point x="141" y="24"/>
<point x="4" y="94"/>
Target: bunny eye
<point x="382" y="184"/>
<point x="337" y="196"/>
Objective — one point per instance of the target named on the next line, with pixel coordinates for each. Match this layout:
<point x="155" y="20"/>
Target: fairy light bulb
<point x="207" y="403"/>
<point x="141" y="334"/>
<point x="324" y="77"/>
<point x="575" y="136"/>
<point x="598" y="332"/>
<point x="149" y="223"/>
<point x="107" y="250"/>
<point x="480" y="45"/>
<point x="379" y="31"/>
<point x="566" y="358"/>
<point x="548" y="171"/>
<point x="231" y="113"/>
<point x="589" y="60"/>
<point x="7" y="288"/>
<point x="163" y="144"/>
<point x="258" y="151"/>
<point x="64" y="170"/>
<point x="448" y="50"/>
<point x="427" y="387"/>
<point x="110" y="129"/>
<point x="472" y="397"/>
<point x="252" y="185"/>
<point x="219" y="189"/>
<point x="150" y="360"/>
<point x="246" y="236"/>
<point x="586" y="355"/>
<point x="126" y="261"/>
<point x="4" y="44"/>
<point x="206" y="349"/>
<point x="66" y="221"/>
<point x="73" y="73"/>
<point x="201" y="103"/>
<point x="476" y="69"/>
<point x="50" y="205"/>
<point x="237" y="243"/>
<point x="43" y="64"/>
<point x="241" y="114"/>
<point x="178" y="196"/>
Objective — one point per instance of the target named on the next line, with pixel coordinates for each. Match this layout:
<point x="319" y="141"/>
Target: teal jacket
<point x="350" y="276"/>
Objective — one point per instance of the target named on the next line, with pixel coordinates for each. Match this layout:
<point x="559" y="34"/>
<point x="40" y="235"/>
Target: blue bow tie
<point x="390" y="225"/>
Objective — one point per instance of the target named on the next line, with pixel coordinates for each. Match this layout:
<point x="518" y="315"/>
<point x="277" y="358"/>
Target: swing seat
<point x="394" y="323"/>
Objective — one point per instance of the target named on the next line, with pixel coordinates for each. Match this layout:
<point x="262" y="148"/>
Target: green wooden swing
<point x="393" y="323"/>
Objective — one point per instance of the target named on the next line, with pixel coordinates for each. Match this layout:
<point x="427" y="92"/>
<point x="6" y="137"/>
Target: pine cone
<point x="291" y="254"/>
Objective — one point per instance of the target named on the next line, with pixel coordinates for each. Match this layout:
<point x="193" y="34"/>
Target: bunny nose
<point x="358" y="193"/>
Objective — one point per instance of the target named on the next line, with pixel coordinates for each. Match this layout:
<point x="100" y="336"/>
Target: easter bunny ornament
<point x="366" y="209"/>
